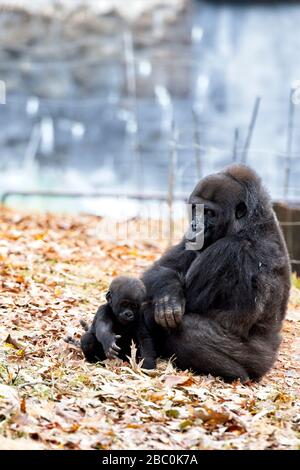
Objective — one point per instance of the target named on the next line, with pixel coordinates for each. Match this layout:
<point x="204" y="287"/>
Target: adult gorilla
<point x="220" y="309"/>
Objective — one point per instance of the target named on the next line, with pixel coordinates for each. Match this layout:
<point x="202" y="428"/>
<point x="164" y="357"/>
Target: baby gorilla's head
<point x="125" y="296"/>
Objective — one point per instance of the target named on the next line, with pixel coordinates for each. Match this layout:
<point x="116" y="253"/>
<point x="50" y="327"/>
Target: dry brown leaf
<point x="54" y="271"/>
<point x="176" y="380"/>
<point x="13" y="342"/>
<point x="9" y="401"/>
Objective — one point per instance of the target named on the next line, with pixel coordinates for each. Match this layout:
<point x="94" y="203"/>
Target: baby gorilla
<point x="116" y="321"/>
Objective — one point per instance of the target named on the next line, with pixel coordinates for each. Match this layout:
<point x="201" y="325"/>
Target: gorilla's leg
<point x="145" y="337"/>
<point x="260" y="353"/>
<point x="146" y="350"/>
<point x="91" y="348"/>
<point x="202" y="345"/>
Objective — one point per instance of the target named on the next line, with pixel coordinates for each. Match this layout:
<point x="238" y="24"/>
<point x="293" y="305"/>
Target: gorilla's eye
<point x="209" y="213"/>
<point x="240" y="210"/>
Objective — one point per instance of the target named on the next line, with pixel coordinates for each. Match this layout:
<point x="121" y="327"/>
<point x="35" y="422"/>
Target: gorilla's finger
<point x="180" y="309"/>
<point x="166" y="319"/>
<point x="160" y="317"/>
<point x="118" y="336"/>
<point x="162" y="320"/>
<point x="158" y="311"/>
<point x="178" y="314"/>
<point x="156" y="314"/>
<point x="169" y="317"/>
<point x="173" y="312"/>
<point x="164" y="313"/>
<point x="111" y="354"/>
<point x="115" y="347"/>
<point x="73" y="341"/>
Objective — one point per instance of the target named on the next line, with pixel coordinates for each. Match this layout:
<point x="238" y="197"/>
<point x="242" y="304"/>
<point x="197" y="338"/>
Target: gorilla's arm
<point x="233" y="280"/>
<point x="102" y="328"/>
<point x="164" y="282"/>
<point x="232" y="289"/>
<point x="236" y="286"/>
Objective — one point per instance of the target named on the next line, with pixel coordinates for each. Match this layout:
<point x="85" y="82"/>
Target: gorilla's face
<point x="126" y="310"/>
<point x="125" y="296"/>
<point x="228" y="200"/>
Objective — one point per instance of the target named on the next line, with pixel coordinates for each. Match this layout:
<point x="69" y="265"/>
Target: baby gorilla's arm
<point x="103" y="329"/>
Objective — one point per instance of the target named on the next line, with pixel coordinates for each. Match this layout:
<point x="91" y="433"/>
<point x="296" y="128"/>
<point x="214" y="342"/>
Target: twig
<point x="30" y="384"/>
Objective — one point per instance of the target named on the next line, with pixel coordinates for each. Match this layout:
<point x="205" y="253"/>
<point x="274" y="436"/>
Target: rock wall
<point x="61" y="48"/>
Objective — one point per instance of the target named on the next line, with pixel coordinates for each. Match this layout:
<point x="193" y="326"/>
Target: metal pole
<point x="250" y="129"/>
<point x="172" y="165"/>
<point x="197" y="143"/>
<point x="132" y="93"/>
<point x="289" y="143"/>
<point x="235" y="145"/>
<point x="32" y="146"/>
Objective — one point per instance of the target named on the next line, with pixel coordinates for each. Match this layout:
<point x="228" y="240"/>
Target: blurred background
<point x="117" y="107"/>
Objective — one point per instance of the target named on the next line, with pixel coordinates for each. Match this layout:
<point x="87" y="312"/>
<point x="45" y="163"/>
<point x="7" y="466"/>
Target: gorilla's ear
<point x="240" y="210"/>
<point x="108" y="296"/>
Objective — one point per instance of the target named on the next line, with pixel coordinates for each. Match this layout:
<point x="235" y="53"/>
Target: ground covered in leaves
<point x="55" y="270"/>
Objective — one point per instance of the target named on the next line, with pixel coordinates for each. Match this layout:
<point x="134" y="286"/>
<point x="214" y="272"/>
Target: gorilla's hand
<point x="168" y="311"/>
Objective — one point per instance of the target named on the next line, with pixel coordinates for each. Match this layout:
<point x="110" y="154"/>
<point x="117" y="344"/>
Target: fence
<point x="141" y="106"/>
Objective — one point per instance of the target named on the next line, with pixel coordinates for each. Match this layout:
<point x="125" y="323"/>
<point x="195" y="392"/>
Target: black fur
<point x="115" y="324"/>
<point x="220" y="309"/>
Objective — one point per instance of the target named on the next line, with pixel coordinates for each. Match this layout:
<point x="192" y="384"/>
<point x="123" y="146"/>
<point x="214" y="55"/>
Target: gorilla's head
<point x="125" y="296"/>
<point x="234" y="201"/>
